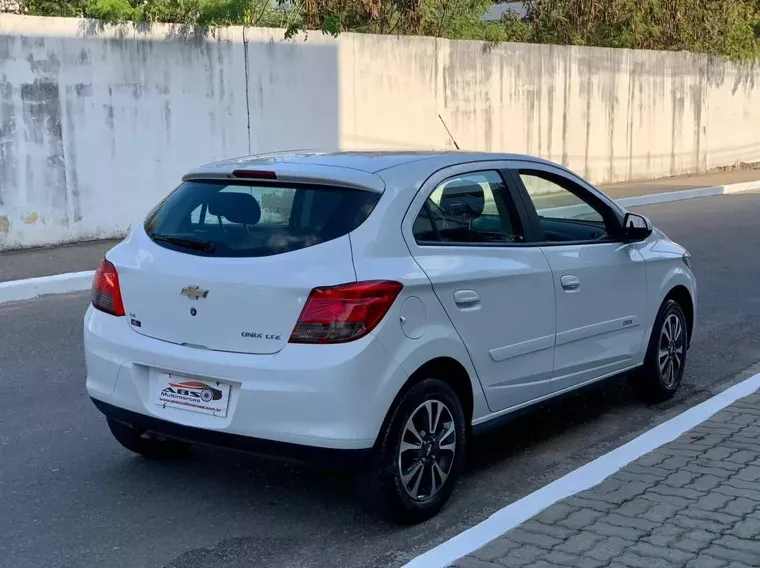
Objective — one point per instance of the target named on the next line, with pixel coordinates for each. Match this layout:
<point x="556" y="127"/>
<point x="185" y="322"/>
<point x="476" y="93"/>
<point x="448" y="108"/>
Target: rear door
<point x="599" y="280"/>
<point x="227" y="265"/>
<point x="468" y="235"/>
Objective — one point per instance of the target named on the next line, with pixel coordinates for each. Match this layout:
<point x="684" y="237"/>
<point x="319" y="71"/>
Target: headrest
<point x="463" y="199"/>
<point x="235" y="207"/>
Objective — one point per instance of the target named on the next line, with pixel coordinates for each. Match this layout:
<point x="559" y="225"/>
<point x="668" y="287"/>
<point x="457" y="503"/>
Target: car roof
<point x="371" y="162"/>
<point x="362" y="169"/>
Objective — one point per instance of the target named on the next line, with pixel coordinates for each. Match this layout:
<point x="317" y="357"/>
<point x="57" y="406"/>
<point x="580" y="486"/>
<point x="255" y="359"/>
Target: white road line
<point x="583" y="478"/>
<point x="17" y="290"/>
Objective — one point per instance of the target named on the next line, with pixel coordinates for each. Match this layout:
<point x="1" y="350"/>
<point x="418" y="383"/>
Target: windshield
<point x="219" y="218"/>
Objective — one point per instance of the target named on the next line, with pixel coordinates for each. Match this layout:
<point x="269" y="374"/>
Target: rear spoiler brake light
<point x="254" y="174"/>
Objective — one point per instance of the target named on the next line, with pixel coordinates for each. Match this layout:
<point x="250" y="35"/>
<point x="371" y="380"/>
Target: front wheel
<point x="420" y="455"/>
<point x="665" y="360"/>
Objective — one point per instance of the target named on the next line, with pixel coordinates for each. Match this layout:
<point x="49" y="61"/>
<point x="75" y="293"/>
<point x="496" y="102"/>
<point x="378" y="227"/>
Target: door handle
<point x="466" y="297"/>
<point x="570" y="282"/>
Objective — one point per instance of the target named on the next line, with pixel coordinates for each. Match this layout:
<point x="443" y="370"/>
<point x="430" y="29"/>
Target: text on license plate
<point x="195" y="395"/>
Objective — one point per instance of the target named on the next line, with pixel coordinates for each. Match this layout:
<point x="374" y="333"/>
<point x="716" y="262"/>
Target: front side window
<point x="469" y="209"/>
<point x="215" y="218"/>
<point x="563" y="215"/>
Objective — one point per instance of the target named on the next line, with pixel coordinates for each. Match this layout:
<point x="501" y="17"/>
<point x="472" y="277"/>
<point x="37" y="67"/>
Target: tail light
<point x="106" y="294"/>
<point x="337" y="314"/>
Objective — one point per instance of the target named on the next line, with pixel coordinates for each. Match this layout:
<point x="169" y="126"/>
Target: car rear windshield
<point x="224" y="219"/>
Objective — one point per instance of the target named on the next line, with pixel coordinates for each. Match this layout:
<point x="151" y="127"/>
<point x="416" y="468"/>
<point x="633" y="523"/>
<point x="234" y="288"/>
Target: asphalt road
<point x="71" y="497"/>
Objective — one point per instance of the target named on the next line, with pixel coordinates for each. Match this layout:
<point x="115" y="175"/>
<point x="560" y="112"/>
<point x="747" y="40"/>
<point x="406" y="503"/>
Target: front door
<point x="599" y="281"/>
<point x="468" y="237"/>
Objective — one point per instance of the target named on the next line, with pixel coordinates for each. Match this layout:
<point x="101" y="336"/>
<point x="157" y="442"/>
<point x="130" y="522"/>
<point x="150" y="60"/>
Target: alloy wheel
<point x="671" y="350"/>
<point x="426" y="453"/>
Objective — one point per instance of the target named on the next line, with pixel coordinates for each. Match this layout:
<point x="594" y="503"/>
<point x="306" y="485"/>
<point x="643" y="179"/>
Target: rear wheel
<point x="420" y="455"/>
<point x="665" y="360"/>
<point x="149" y="447"/>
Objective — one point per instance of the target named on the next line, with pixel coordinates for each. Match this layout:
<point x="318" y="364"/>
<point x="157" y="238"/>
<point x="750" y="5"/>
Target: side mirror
<point x="636" y="227"/>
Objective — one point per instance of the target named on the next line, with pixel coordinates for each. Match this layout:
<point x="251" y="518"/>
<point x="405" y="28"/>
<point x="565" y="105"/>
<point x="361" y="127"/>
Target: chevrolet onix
<point x="378" y="309"/>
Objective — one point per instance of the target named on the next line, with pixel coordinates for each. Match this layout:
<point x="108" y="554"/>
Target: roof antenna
<point x="449" y="131"/>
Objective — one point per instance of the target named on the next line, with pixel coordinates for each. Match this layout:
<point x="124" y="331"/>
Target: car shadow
<point x="551" y="419"/>
<point x="244" y="504"/>
<point x="221" y="476"/>
<point x="299" y="483"/>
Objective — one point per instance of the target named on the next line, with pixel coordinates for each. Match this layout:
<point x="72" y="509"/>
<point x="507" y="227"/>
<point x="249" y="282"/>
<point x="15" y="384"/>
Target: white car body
<point x="523" y="322"/>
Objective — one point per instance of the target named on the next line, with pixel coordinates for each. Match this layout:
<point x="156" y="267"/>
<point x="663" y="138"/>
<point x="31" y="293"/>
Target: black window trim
<point x="518" y="212"/>
<point x="611" y="218"/>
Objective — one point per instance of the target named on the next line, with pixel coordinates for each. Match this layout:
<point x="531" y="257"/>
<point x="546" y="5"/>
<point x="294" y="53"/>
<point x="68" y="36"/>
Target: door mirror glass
<point x="636" y="227"/>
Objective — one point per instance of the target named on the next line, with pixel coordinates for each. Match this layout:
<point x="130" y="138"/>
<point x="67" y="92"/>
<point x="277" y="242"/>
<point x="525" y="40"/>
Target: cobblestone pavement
<point x="694" y="503"/>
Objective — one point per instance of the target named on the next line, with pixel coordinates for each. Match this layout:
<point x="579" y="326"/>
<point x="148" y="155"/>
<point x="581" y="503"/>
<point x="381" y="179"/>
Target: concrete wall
<point x="611" y="115"/>
<point x="97" y="124"/>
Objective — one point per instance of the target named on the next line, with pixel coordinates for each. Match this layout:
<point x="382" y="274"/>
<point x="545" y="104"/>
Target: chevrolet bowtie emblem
<point x="193" y="292"/>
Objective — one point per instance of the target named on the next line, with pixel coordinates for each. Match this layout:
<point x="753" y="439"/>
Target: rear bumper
<point x="333" y="397"/>
<point x="323" y="457"/>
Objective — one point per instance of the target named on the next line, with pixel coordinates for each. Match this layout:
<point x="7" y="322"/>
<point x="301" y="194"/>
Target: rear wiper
<point x="197" y="244"/>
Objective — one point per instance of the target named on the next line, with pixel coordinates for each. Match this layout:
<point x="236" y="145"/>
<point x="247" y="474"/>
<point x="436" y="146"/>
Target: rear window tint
<point x="211" y="218"/>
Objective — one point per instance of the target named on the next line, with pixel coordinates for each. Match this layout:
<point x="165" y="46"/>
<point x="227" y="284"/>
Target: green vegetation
<point x="720" y="27"/>
<point x="443" y="18"/>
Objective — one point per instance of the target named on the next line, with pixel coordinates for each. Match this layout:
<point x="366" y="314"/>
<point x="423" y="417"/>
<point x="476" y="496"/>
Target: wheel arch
<point x="446" y="369"/>
<point x="682" y="296"/>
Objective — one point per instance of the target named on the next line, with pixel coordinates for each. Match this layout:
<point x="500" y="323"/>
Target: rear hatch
<point x="228" y="265"/>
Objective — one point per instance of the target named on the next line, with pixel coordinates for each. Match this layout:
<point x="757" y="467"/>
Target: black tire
<point x="381" y="481"/>
<point x="149" y="447"/>
<point x="655" y="383"/>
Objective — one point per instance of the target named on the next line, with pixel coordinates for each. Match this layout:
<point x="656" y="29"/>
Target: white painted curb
<point x="657" y="198"/>
<point x="688" y="194"/>
<point x="585" y="477"/>
<point x="17" y="290"/>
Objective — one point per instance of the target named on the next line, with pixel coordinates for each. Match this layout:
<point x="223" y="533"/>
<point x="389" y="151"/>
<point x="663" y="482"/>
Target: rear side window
<point x="226" y="219"/>
<point x="470" y="209"/>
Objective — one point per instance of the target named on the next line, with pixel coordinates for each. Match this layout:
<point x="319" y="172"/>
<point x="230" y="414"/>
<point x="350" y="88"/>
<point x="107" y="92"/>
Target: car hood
<point x="664" y="244"/>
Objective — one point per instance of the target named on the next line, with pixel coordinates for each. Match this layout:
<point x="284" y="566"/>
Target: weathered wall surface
<point x="91" y="129"/>
<point x="97" y="124"/>
<point x="611" y="115"/>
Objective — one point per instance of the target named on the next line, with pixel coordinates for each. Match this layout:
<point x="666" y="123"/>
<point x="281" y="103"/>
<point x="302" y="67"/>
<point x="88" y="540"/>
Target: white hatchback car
<point x="378" y="308"/>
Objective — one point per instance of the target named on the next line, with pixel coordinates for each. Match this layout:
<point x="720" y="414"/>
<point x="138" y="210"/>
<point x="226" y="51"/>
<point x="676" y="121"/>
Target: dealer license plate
<point x="194" y="395"/>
